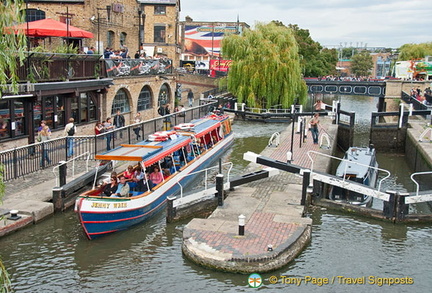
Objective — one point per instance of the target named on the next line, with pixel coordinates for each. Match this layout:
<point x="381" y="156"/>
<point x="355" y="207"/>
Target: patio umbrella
<point x="49" y="28"/>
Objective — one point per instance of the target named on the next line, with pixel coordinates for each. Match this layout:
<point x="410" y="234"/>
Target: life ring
<point x="184" y="126"/>
<point x="161" y="135"/>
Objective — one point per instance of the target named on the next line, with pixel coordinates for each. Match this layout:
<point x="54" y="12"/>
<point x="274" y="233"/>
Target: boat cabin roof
<point x="150" y="152"/>
<point x="352" y="160"/>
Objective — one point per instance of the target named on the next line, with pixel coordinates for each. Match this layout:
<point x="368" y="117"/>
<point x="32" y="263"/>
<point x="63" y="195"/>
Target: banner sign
<point x="137" y="67"/>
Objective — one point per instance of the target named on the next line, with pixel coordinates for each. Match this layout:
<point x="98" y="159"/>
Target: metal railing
<point x="27" y="159"/>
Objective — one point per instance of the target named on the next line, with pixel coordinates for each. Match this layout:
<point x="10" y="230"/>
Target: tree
<point x="12" y="47"/>
<point x="415" y="51"/>
<point x="266" y="67"/>
<point x="315" y="60"/>
<point x="361" y="64"/>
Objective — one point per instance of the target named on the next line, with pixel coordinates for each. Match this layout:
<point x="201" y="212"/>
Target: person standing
<point x="137" y="129"/>
<point x="69" y="131"/>
<point x="44" y="135"/>
<point x="119" y="121"/>
<point x="108" y="127"/>
<point x="314" y="127"/>
<point x="190" y="97"/>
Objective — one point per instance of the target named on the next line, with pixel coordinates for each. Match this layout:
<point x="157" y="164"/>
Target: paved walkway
<point x="275" y="229"/>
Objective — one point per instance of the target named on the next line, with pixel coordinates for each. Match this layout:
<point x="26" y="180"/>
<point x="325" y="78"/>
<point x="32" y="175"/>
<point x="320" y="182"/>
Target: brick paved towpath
<point x="274" y="216"/>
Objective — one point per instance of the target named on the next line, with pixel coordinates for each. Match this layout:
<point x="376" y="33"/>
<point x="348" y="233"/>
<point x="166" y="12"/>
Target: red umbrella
<point x="49" y="28"/>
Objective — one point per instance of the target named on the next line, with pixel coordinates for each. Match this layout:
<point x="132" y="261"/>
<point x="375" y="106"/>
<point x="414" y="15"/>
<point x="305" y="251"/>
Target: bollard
<point x="171" y="210"/>
<point x="289" y="157"/>
<point x="62" y="172"/>
<point x="241" y="219"/>
<point x="220" y="189"/>
<point x="14" y="215"/>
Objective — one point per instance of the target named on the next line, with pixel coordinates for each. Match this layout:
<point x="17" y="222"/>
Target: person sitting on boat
<point x="110" y="188"/>
<point x="137" y="177"/>
<point x="156" y="176"/>
<point x="166" y="173"/>
<point x="122" y="189"/>
<point x="129" y="173"/>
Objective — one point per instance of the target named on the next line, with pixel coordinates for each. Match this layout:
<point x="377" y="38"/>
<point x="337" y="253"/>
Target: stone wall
<point x="388" y="139"/>
<point x="198" y="84"/>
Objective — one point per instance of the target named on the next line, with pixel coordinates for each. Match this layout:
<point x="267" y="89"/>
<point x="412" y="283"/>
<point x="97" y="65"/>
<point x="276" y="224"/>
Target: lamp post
<point x="139" y="30"/>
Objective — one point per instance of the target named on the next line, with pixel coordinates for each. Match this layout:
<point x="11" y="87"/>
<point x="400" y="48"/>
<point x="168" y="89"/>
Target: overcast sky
<point x="332" y="23"/>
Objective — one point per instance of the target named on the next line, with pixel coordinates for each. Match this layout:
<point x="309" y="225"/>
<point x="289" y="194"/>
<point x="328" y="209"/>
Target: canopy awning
<point x="48" y="28"/>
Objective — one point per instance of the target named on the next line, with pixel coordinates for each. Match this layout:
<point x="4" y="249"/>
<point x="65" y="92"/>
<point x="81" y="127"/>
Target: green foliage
<point x="11" y="13"/>
<point x="315" y="60"/>
<point x="266" y="67"/>
<point x="415" y="51"/>
<point x="361" y="64"/>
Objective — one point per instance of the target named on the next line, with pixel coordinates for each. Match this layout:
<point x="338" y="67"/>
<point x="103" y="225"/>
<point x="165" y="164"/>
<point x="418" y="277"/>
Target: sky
<point x="332" y="23"/>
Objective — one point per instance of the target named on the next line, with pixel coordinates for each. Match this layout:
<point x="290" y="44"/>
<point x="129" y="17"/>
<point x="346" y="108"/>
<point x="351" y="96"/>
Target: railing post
<point x="402" y="209"/>
<point x="220" y="189"/>
<point x="171" y="210"/>
<point x="62" y="172"/>
<point x="389" y="207"/>
<point x="306" y="180"/>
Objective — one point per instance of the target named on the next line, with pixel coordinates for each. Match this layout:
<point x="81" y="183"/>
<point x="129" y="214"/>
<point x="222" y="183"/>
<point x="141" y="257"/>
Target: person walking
<point x="190" y="97"/>
<point x="314" y="127"/>
<point x="108" y="127"/>
<point x="119" y="121"/>
<point x="69" y="131"/>
<point x="44" y="135"/>
<point x="137" y="129"/>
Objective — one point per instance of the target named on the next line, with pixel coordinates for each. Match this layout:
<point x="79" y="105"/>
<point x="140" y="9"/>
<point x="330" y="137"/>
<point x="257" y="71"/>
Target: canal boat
<point x="188" y="149"/>
<point x="359" y="165"/>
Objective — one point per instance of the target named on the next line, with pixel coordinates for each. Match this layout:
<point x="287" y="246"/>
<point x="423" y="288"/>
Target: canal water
<point x="55" y="256"/>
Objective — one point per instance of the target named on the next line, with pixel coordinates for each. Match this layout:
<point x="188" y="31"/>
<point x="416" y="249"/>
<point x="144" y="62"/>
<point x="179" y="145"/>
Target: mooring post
<point x="402" y="209"/>
<point x="171" y="210"/>
<point x="58" y="199"/>
<point x="306" y="180"/>
<point x="220" y="189"/>
<point x="389" y="208"/>
<point x="62" y="172"/>
<point x="241" y="220"/>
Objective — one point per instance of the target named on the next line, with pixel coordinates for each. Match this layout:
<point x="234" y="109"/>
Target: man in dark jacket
<point x="119" y="121"/>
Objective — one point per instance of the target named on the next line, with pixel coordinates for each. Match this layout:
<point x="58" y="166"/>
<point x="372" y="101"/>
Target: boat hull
<point x="104" y="215"/>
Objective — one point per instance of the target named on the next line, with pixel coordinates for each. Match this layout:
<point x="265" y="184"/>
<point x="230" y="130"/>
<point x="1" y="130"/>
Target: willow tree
<point x="266" y="67"/>
<point x="12" y="46"/>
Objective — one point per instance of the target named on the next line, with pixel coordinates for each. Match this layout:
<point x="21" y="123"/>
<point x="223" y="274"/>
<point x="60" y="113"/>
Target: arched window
<point x="123" y="36"/>
<point x="121" y="102"/>
<point x="144" y="99"/>
<point x="110" y="39"/>
<point x="34" y="14"/>
<point x="164" y="94"/>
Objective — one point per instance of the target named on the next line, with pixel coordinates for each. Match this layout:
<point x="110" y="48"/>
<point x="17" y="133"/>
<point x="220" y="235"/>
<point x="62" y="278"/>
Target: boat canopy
<point x="145" y="151"/>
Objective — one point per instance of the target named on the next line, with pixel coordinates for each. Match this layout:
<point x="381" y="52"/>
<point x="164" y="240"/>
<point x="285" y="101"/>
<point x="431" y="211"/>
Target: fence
<point x="27" y="159"/>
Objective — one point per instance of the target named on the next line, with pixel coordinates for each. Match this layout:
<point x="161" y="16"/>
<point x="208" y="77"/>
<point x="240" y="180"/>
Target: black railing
<point x="417" y="105"/>
<point x="24" y="160"/>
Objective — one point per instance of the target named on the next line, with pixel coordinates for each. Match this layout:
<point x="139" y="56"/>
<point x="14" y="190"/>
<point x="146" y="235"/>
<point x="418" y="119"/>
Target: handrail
<point x="425" y="132"/>
<point x="205" y="180"/>
<point x="332" y="157"/>
<point x="276" y="138"/>
<point x="415" y="182"/>
<point x="73" y="166"/>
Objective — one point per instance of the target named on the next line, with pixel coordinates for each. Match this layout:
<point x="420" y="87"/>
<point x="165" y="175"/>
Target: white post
<point x="241" y="220"/>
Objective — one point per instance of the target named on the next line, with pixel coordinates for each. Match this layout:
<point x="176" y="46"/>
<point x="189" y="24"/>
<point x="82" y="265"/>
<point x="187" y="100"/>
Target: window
<point x="163" y="95"/>
<point x="144" y="99"/>
<point x="110" y="39"/>
<point x="4" y="120"/>
<point x="34" y="14"/>
<point x="159" y="33"/>
<point x="120" y="102"/>
<point x="123" y="39"/>
<point x="159" y="10"/>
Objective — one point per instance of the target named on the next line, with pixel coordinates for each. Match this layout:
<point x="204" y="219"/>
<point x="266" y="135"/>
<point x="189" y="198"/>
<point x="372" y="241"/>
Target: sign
<point x="220" y="65"/>
<point x="171" y="2"/>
